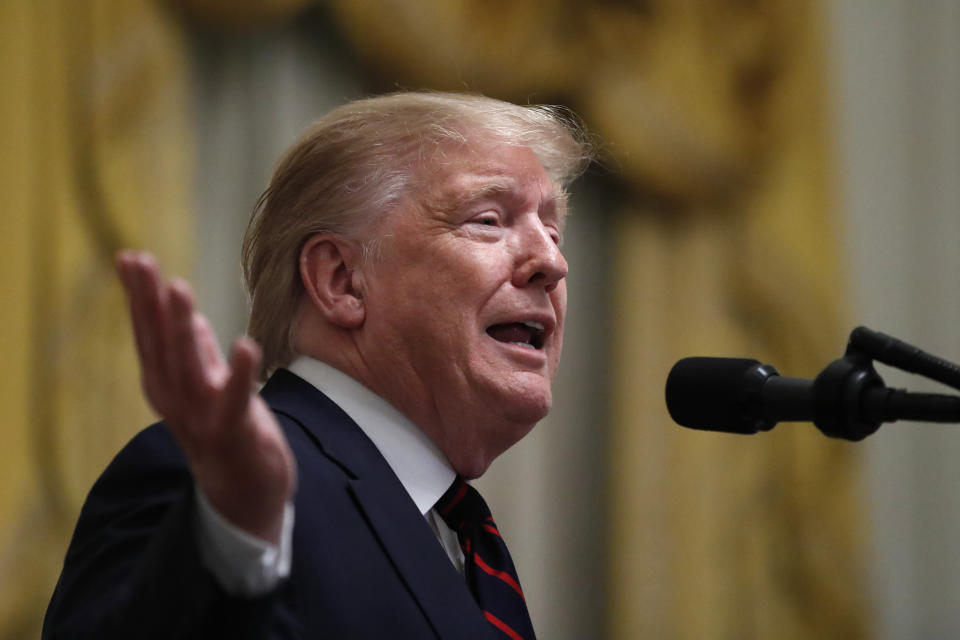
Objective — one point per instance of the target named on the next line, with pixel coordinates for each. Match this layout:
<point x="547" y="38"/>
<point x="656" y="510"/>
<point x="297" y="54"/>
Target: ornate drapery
<point x="94" y="158"/>
<point x="712" y="115"/>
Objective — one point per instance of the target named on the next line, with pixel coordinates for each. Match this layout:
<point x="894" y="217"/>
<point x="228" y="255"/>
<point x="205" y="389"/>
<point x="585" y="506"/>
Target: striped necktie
<point x="489" y="570"/>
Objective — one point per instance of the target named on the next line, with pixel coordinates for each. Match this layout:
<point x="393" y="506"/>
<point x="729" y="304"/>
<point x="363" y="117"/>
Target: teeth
<point x="524" y="344"/>
<point x="533" y="325"/>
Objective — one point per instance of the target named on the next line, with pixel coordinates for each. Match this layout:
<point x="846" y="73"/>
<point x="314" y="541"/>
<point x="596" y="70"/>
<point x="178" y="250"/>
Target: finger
<point x="148" y="311"/>
<point x="185" y="363"/>
<point x="126" y="269"/>
<point x="122" y="260"/>
<point x="245" y="360"/>
<point x="210" y="354"/>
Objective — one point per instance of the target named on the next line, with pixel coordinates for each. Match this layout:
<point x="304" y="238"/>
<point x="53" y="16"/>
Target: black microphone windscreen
<point x="706" y="393"/>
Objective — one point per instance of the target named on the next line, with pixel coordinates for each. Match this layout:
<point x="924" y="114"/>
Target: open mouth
<point x="525" y="334"/>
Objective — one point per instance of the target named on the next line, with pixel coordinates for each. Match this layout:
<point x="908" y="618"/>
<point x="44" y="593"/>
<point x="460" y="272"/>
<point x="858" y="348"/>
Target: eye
<point x="487" y="219"/>
<point x="555" y="235"/>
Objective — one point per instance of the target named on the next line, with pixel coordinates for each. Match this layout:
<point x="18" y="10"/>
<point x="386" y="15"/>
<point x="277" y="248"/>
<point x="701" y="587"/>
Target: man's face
<point x="466" y="303"/>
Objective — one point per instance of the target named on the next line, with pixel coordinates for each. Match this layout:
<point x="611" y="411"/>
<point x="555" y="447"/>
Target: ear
<point x="334" y="288"/>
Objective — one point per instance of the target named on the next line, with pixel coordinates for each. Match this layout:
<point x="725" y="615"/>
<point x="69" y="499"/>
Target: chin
<point x="527" y="413"/>
<point x="528" y="403"/>
<point x="521" y="415"/>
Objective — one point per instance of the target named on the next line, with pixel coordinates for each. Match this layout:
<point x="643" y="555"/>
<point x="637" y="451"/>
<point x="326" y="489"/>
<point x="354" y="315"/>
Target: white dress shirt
<point x="248" y="566"/>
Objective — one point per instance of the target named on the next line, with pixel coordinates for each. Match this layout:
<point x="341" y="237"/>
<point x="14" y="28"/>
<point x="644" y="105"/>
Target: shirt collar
<point x="422" y="468"/>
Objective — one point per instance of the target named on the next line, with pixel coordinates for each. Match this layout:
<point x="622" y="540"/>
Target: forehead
<point x="456" y="177"/>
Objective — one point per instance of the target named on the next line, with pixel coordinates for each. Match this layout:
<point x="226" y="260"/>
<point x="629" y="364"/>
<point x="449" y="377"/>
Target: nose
<point x="540" y="261"/>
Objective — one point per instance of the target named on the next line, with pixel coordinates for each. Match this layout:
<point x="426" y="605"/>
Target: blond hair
<point x="354" y="165"/>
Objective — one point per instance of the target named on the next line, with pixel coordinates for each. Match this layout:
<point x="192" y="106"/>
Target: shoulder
<point x="138" y="486"/>
<point x="149" y="460"/>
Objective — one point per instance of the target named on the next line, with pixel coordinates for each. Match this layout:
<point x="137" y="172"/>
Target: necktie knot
<point x="489" y="569"/>
<point x="462" y="506"/>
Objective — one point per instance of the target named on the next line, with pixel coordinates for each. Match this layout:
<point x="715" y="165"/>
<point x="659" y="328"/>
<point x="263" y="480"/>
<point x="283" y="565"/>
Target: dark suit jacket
<point x="365" y="562"/>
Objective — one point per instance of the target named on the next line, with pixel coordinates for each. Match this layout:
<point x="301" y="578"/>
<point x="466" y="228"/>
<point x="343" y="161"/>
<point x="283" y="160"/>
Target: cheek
<point x="559" y="300"/>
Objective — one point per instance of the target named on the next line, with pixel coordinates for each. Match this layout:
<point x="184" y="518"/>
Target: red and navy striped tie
<point x="488" y="567"/>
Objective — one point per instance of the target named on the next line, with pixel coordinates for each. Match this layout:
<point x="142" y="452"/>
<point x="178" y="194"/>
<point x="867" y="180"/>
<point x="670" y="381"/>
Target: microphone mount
<point x="850" y="400"/>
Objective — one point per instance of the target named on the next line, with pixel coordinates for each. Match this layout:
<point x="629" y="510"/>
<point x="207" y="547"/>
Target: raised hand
<point x="237" y="452"/>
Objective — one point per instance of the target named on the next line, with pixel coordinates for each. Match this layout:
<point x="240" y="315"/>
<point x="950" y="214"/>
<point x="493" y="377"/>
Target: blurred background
<point x="774" y="173"/>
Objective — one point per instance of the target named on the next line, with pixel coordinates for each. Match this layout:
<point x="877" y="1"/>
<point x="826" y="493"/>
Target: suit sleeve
<point x="133" y="568"/>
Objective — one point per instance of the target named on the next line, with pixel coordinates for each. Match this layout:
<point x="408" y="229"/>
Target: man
<point x="407" y="291"/>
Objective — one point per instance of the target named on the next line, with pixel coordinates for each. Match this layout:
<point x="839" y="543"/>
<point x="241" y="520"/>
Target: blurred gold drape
<point x="719" y="536"/>
<point x="718" y="110"/>
<point x="94" y="157"/>
<point x="715" y="107"/>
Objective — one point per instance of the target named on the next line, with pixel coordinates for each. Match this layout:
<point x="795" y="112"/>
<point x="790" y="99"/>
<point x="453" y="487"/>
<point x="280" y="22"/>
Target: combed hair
<point x="354" y="166"/>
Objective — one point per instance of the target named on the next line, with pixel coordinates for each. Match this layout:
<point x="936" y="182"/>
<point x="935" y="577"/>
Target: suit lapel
<point x="406" y="537"/>
<point x="419" y="559"/>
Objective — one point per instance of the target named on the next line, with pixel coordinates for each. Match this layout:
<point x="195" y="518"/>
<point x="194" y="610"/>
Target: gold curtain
<point x="714" y="108"/>
<point x="714" y="112"/>
<point x="94" y="157"/>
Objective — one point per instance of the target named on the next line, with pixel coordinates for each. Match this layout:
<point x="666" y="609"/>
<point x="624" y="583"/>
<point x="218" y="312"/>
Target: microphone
<point x="735" y="395"/>
<point x="847" y="400"/>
